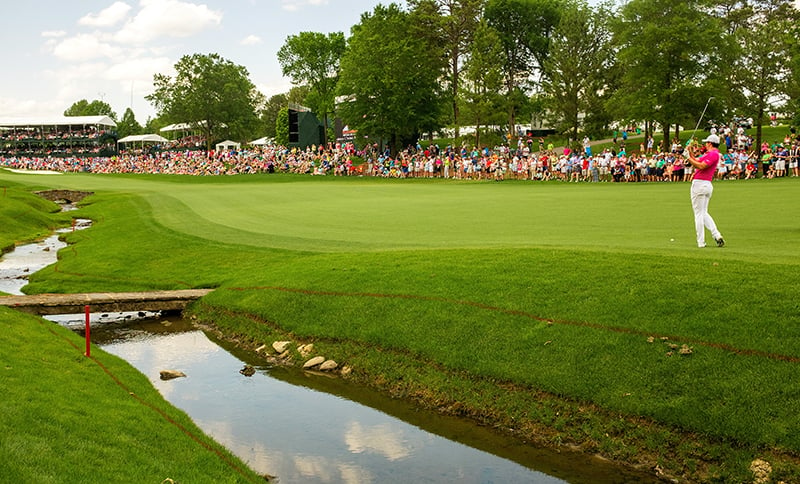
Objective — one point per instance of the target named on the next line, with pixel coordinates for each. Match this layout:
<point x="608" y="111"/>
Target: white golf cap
<point x="712" y="138"/>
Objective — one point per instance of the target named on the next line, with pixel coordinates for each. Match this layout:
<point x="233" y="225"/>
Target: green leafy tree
<point x="761" y="72"/>
<point x="524" y="27"/>
<point x="666" y="48"/>
<point x="794" y="80"/>
<point x="312" y="59"/>
<point x="212" y="94"/>
<point x="269" y="113"/>
<point x="94" y="108"/>
<point x="390" y="77"/>
<point x="128" y="125"/>
<point x="483" y="76"/>
<point x="451" y="24"/>
<point x="154" y="125"/>
<point x="575" y="71"/>
<point x="282" y="127"/>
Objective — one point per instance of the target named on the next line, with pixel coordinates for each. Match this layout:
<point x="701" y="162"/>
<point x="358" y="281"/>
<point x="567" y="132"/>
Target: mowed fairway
<point x="566" y="288"/>
<point x="759" y="218"/>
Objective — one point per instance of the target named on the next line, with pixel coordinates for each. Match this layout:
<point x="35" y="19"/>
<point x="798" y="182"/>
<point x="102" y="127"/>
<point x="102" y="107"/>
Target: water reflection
<point x="17" y="265"/>
<point x="296" y="433"/>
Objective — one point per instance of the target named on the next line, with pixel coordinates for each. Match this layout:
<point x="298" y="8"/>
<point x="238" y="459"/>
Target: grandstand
<point x="57" y="136"/>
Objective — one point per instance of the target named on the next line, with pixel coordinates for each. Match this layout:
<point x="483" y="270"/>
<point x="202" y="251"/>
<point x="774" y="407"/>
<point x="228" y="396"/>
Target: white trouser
<point x="701" y="195"/>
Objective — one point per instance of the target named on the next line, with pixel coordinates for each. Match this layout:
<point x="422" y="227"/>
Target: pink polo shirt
<point x="711" y="159"/>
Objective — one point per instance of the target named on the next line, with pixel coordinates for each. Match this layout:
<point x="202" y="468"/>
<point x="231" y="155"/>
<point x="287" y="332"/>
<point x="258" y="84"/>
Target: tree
<point x="94" y="108"/>
<point x="154" y="125"/>
<point x="760" y="71"/>
<point x="666" y="48"/>
<point x="128" y="125"/>
<point x="269" y="113"/>
<point x="313" y="59"/>
<point x="580" y="56"/>
<point x="794" y="80"/>
<point x="450" y="23"/>
<point x="483" y="78"/>
<point x="524" y="27"/>
<point x="212" y="94"/>
<point x="282" y="127"/>
<point x="391" y="79"/>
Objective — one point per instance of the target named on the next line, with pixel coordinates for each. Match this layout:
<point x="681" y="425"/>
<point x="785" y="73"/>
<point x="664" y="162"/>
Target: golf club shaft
<point x="701" y="116"/>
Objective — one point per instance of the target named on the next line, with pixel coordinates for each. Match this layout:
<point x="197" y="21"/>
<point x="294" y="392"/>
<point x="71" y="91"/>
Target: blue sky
<point x="57" y="52"/>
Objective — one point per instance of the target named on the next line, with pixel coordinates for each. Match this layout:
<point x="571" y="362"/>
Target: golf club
<point x="701" y="116"/>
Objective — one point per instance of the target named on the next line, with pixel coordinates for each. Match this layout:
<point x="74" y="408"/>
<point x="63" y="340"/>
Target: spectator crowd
<point x="612" y="164"/>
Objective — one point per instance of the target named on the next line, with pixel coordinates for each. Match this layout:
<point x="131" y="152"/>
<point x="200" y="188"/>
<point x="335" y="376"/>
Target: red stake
<point x="88" y="331"/>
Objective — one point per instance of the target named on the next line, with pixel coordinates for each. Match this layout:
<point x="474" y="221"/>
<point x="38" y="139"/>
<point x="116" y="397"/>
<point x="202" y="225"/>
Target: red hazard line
<point x="516" y="312"/>
<point x="163" y="414"/>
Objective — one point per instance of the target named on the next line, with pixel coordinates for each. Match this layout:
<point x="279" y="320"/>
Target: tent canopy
<point x="143" y="138"/>
<point x="178" y="127"/>
<point x="262" y="141"/>
<point x="227" y="145"/>
<point x="187" y="126"/>
<point x="33" y="121"/>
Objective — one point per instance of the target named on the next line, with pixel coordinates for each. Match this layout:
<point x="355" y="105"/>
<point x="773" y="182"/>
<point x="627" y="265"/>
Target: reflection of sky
<point x="302" y="435"/>
<point x="25" y="260"/>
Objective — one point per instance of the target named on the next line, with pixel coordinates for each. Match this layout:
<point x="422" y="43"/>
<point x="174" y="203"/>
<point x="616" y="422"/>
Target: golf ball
<point x="672" y="240"/>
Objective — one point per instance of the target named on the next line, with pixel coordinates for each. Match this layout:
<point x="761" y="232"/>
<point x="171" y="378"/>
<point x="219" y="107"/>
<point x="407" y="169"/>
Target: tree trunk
<point x="454" y="93"/>
<point x="759" y="123"/>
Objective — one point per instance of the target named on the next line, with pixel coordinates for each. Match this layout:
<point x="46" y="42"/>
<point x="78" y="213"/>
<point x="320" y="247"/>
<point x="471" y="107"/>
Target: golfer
<point x="705" y="167"/>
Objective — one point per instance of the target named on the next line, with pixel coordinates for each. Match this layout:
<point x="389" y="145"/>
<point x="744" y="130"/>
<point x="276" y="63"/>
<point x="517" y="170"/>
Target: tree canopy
<point x="94" y="108"/>
<point x="407" y="71"/>
<point x="312" y="59"/>
<point x="212" y="94"/>
<point x="390" y="78"/>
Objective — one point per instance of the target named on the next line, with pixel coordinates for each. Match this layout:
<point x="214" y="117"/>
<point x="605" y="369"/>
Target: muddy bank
<point x="64" y="196"/>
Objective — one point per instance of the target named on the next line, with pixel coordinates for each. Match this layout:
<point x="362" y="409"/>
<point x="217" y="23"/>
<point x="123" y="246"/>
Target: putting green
<point x="758" y="218"/>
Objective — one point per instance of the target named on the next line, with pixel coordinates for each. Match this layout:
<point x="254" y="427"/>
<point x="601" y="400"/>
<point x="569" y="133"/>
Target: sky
<point x="58" y="52"/>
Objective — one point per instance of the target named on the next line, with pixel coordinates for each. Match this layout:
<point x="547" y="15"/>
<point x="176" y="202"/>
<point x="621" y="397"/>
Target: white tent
<point x="187" y="126"/>
<point x="262" y="141"/>
<point x="228" y="145"/>
<point x="141" y="139"/>
<point x="149" y="138"/>
<point x="179" y="127"/>
<point x="57" y="121"/>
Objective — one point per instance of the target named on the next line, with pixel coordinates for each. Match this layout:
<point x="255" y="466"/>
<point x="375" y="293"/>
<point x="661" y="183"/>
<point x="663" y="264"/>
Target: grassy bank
<point x="25" y="216"/>
<point x="557" y="310"/>
<point x="68" y="418"/>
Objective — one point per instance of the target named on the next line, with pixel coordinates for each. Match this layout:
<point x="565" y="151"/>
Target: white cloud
<point x="167" y="18"/>
<point x="294" y="5"/>
<point x="77" y="72"/>
<point x="11" y="107"/>
<point x="84" y="47"/>
<point x="271" y="89"/>
<point x="139" y="69"/>
<point x="251" y="40"/>
<point x="107" y="17"/>
<point x="54" y="34"/>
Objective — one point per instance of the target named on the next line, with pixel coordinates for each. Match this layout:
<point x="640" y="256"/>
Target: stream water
<point x="309" y="428"/>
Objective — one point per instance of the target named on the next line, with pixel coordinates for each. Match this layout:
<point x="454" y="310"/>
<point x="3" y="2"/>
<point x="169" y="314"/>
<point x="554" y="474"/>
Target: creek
<point x="305" y="427"/>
